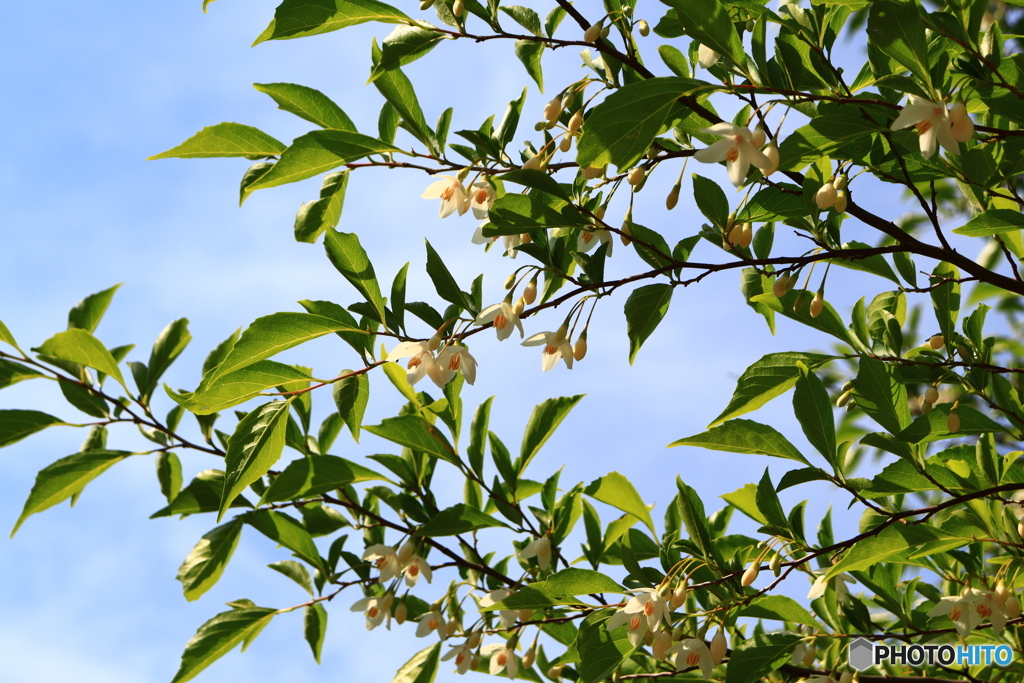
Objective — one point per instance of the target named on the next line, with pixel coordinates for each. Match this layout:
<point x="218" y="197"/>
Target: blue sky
<point x="90" y="90"/>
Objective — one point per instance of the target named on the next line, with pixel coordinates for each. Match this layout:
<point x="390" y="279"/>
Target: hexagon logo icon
<point x="861" y="654"/>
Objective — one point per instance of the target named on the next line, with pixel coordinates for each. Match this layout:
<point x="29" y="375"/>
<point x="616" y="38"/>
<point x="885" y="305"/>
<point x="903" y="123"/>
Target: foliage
<point x="806" y="143"/>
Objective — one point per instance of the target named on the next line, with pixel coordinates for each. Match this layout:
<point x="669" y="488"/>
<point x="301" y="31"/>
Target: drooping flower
<point x="555" y="346"/>
<point x="375" y="610"/>
<point x="414" y="568"/>
<point x="432" y="621"/>
<point x="961" y="123"/>
<point x="589" y="239"/>
<point x="463" y="655"/>
<point x="453" y="358"/>
<point x="503" y="658"/>
<point x="707" y="57"/>
<point x="692" y="652"/>
<point x="510" y="241"/>
<point x="636" y="626"/>
<point x="971" y="609"/>
<point x="652" y="604"/>
<point x="421" y="359"/>
<point x="838" y="581"/>
<point x="933" y="124"/>
<point x="503" y="317"/>
<point x="451" y="193"/>
<point x="719" y="647"/>
<point x="736" y="149"/>
<point x="384" y="558"/>
<point x="541" y="549"/>
<point x="507" y="616"/>
<point x="481" y="196"/>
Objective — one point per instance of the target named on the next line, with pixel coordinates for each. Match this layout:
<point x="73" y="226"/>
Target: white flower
<point x="451" y="193"/>
<point x="375" y="611"/>
<point x="589" y="239"/>
<point x="839" y="584"/>
<point x="503" y="317"/>
<point x="502" y="659"/>
<point x="970" y="610"/>
<point x="706" y="57"/>
<point x="414" y="568"/>
<point x="1016" y="507"/>
<point x="384" y="558"/>
<point x="692" y="652"/>
<point x="962" y="126"/>
<point x="933" y="124"/>
<point x="652" y="604"/>
<point x="432" y="621"/>
<point x="421" y="359"/>
<point x="507" y="616"/>
<point x="481" y="196"/>
<point x="541" y="549"/>
<point x="463" y="655"/>
<point x="555" y="346"/>
<point x="453" y="358"/>
<point x="736" y="149"/>
<point x="636" y="626"/>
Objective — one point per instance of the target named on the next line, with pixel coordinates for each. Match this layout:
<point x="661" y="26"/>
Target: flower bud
<point x="706" y="57"/>
<point x="772" y="152"/>
<point x="841" y="201"/>
<point x="643" y="28"/>
<point x="780" y="287"/>
<point x="591" y="172"/>
<point x="679" y="596"/>
<point x="953" y="422"/>
<point x="426" y="4"/>
<point x="825" y="197"/>
<point x="534" y="162"/>
<point x="519" y="306"/>
<point x="636" y="176"/>
<point x="1012" y="606"/>
<point x="553" y="109"/>
<point x="649" y="638"/>
<point x="592" y="33"/>
<point x="848" y="385"/>
<point x="510" y="281"/>
<point x="1001" y="593"/>
<point x="624" y="232"/>
<point x="555" y="672"/>
<point x="798" y="305"/>
<point x="605" y="31"/>
<point x="662" y="642"/>
<point x="540" y="125"/>
<point x="798" y="654"/>
<point x="758" y="137"/>
<point x="931" y="395"/>
<point x="576" y="120"/>
<point x="673" y="197"/>
<point x="926" y="408"/>
<point x="453" y="627"/>
<point x="579" y="349"/>
<point x="749" y="26"/>
<point x="846" y="677"/>
<point x="810" y="654"/>
<point x="841" y="182"/>
<point x="750" y="575"/>
<point x="525" y="614"/>
<point x="1020" y="528"/>
<point x="434" y="342"/>
<point x="565" y="143"/>
<point x="401" y="612"/>
<point x="746" y="235"/>
<point x="525" y="238"/>
<point x="458" y="8"/>
<point x="776" y="564"/>
<point x="719" y="646"/>
<point x="387" y="600"/>
<point x="843" y="399"/>
<point x="599" y="213"/>
<point x="962" y="126"/>
<point x="529" y="657"/>
<point x="474" y="639"/>
<point x="937" y="342"/>
<point x="530" y="292"/>
<point x="817" y="305"/>
<point x="736" y="234"/>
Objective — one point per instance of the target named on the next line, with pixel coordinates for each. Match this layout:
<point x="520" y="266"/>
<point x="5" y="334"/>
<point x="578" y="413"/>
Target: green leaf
<point x="744" y="499"/>
<point x="621" y="129"/>
<point x="316" y="216"/>
<point x="88" y="312"/>
<point x="711" y="200"/>
<point x="285" y="531"/>
<point x="478" y="436"/>
<point x="645" y="308"/>
<point x="350" y="396"/>
<point x="218" y="636"/>
<point x="445" y="284"/>
<point x="691" y="509"/>
<point x="318" y="151"/>
<point x="771" y="376"/>
<point x="397" y="89"/>
<point x="992" y="222"/>
<point x="515" y="213"/>
<point x="828" y="321"/>
<point x="203" y="494"/>
<point x="298" y="18"/>
<point x="601" y="651"/>
<point x="6" y="336"/>
<point x="414" y="432"/>
<point x="888" y="545"/>
<point x="307" y="103"/>
<point x="617" y="491"/>
<point x="458" y="519"/>
<point x="225" y="140"/>
<point x="779" y="608"/>
<point x="544" y="420"/>
<point x="813" y="410"/>
<point x="529" y="53"/>
<point x="770" y="506"/>
<point x="79" y="346"/>
<point x="205" y="564"/>
<point x="404" y="45"/>
<point x="946" y="297"/>
<point x="897" y="30"/>
<point x="575" y="581"/>
<point x="168" y="474"/>
<point x="314" y="627"/>
<point x="422" y="668"/>
<point x="15" y="424"/>
<point x="708" y="22"/>
<point x="759" y="656"/>
<point x="253" y="449"/>
<point x="525" y="17"/>
<point x="509" y="123"/>
<point x="826" y="135"/>
<point x="309" y="477"/>
<point x="238" y="387"/>
<point x="744" y="436"/>
<point x="168" y="346"/>
<point x="932" y="427"/>
<point x="65" y="479"/>
<point x="11" y="373"/>
<point x="876" y="265"/>
<point x="349" y="257"/>
<point x="880" y="394"/>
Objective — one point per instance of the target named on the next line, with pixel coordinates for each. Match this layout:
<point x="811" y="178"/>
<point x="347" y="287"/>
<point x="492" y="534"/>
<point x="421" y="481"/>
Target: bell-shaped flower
<point x="503" y="658"/>
<point x="933" y="124"/>
<point x="432" y="621"/>
<point x="384" y="558"/>
<point x="421" y="359"/>
<point x="692" y="652"/>
<point x="463" y="655"/>
<point x="452" y="359"/>
<point x="636" y="626"/>
<point x="707" y="57"/>
<point x="555" y="346"/>
<point x="589" y="239"/>
<point x="838" y="582"/>
<point x="507" y="616"/>
<point x="736" y="149"/>
<point x="960" y="122"/>
<point x="652" y="604"/>
<point x="541" y="549"/>
<point x="481" y="196"/>
<point x="503" y="318"/>
<point x="451" y="193"/>
<point x="970" y="609"/>
<point x="375" y="610"/>
<point x="414" y="568"/>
